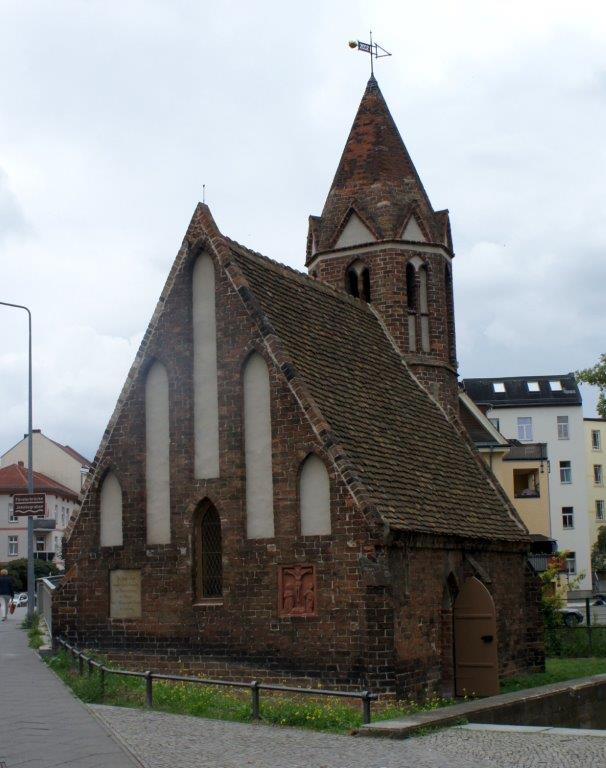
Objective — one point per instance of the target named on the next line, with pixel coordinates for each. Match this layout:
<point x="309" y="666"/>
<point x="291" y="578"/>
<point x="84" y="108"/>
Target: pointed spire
<point x="376" y="178"/>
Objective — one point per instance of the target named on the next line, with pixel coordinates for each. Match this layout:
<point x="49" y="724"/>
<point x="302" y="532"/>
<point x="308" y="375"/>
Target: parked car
<point x="572" y="617"/>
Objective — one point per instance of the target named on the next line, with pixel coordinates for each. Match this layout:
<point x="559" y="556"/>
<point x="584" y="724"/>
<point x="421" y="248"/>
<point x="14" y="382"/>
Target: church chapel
<point x="285" y="489"/>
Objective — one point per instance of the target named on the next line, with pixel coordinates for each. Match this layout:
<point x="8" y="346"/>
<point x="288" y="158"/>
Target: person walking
<point x="6" y="591"/>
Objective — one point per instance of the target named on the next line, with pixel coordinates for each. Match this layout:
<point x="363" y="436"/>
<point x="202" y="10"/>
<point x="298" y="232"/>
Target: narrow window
<point x="314" y="493"/>
<point x="571" y="563"/>
<point x="13" y="546"/>
<point x="411" y="299"/>
<point x="110" y="512"/>
<point x="206" y="404"/>
<point x="40" y="543"/>
<point x="424" y="309"/>
<point x="525" y="428"/>
<point x="599" y="509"/>
<point x="157" y="460"/>
<point x="208" y="553"/>
<point x="597" y="474"/>
<point x="258" y="450"/>
<point x="563" y="428"/>
<point x="495" y="423"/>
<point x="565" y="472"/>
<point x="596" y="440"/>
<point x="567" y="517"/>
<point x="498" y="387"/>
<point x="12" y="517"/>
<point x="357" y="281"/>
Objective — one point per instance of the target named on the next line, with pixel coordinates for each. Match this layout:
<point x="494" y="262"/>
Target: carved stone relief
<point x="296" y="590"/>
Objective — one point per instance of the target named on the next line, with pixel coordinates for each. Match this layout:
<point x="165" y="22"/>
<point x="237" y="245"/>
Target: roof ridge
<point x="304" y="278"/>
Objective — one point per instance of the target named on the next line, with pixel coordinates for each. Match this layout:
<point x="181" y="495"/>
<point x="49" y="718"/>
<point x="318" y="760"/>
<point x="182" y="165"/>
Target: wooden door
<point x="475" y="641"/>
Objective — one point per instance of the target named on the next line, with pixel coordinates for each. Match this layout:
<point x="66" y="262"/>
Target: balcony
<point x="526" y="484"/>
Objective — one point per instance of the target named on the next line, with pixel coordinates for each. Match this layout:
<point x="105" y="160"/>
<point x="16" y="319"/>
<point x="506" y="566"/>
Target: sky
<point x="113" y="115"/>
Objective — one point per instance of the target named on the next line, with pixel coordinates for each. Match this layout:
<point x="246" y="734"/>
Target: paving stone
<point x="166" y="741"/>
<point x="42" y="724"/>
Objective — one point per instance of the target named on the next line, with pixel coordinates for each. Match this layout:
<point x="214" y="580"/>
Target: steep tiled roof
<point x="559" y="389"/>
<point x="13" y="479"/>
<point x="376" y="178"/>
<point x="418" y="470"/>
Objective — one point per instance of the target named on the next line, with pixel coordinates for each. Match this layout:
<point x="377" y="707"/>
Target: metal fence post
<point x="102" y="681"/>
<point x="90" y="667"/>
<point x="255" y="695"/>
<point x="589" y="628"/>
<point x="366" y="699"/>
<point x="149" y="693"/>
<point x="80" y="664"/>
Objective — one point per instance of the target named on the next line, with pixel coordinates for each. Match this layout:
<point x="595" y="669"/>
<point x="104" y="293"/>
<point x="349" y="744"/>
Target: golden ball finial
<point x="353" y="44"/>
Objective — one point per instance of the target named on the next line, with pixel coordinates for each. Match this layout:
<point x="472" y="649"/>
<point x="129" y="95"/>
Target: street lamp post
<point x="30" y="468"/>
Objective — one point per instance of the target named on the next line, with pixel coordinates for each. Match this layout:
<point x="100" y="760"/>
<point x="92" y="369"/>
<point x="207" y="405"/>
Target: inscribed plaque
<point x="125" y="594"/>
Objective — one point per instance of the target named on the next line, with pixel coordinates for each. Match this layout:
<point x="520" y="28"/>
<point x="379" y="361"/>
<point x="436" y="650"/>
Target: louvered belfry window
<point x="209" y="569"/>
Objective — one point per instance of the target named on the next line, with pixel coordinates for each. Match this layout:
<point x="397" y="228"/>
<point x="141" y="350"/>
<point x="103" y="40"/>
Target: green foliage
<point x="31" y="624"/>
<point x="598" y="551"/>
<point x="596" y="376"/>
<point x="306" y="711"/>
<point x="553" y="597"/>
<point x="17" y="570"/>
<point x="556" y="671"/>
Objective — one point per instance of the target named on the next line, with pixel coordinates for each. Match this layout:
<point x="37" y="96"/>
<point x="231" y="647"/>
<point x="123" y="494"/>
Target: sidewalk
<point x="41" y="724"/>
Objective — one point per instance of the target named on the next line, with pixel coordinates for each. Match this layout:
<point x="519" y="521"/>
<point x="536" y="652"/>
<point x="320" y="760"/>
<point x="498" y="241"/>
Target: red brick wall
<point x="379" y="619"/>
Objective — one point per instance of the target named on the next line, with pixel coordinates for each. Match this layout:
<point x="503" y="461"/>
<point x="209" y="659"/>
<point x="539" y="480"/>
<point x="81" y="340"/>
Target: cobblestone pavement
<point x="42" y="725"/>
<point x="177" y="741"/>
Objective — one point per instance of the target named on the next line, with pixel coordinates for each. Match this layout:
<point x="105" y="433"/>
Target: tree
<point x="17" y="570"/>
<point x="596" y="376"/>
<point x="598" y="551"/>
<point x="553" y="597"/>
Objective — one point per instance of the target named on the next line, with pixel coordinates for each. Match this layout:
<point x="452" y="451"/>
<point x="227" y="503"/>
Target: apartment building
<point x="548" y="410"/>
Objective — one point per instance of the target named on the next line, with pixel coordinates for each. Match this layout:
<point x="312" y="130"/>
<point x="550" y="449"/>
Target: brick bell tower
<point x="379" y="239"/>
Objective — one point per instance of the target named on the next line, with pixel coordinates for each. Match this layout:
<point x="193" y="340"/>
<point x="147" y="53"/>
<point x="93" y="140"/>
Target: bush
<point x="17" y="570"/>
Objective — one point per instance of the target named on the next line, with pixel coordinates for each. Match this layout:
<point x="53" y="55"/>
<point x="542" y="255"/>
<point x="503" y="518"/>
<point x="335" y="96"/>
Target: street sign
<point x="29" y="504"/>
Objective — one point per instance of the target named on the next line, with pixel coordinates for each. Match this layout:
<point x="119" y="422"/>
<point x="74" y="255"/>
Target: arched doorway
<point x="475" y="641"/>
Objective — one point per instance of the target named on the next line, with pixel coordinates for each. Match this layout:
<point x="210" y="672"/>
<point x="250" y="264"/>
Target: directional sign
<point x="29" y="504"/>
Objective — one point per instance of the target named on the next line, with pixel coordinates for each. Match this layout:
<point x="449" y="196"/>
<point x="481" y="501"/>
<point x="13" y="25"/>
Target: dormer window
<point x="533" y="386"/>
<point x="555" y="386"/>
<point x="358" y="281"/>
<point x="498" y="387"/>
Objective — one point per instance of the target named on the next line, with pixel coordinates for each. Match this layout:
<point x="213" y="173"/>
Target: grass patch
<point x="35" y="634"/>
<point x="305" y="711"/>
<point x="556" y="670"/>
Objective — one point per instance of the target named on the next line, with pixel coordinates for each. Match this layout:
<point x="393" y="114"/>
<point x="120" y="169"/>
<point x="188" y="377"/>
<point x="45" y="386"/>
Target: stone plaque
<point x="297" y="590"/>
<point x="125" y="594"/>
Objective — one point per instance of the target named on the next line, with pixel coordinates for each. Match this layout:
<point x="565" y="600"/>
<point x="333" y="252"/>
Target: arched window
<point x="424" y="308"/>
<point x="258" y="449"/>
<point x="412" y="304"/>
<point x="314" y="497"/>
<point x="208" y="553"/>
<point x="358" y="281"/>
<point x="206" y="405"/>
<point x="110" y="512"/>
<point x="157" y="455"/>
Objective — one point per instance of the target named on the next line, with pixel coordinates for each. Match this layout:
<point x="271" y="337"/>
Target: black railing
<point x="255" y="687"/>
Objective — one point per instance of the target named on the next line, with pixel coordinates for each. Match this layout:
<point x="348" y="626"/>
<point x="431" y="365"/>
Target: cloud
<point x="113" y="117"/>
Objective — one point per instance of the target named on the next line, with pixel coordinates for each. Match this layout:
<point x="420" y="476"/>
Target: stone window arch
<point x="208" y="552"/>
<point x="157" y="455"/>
<point x="258" y="448"/>
<point x="412" y="305"/>
<point x="357" y="279"/>
<point x="424" y="308"/>
<point x="314" y="497"/>
<point x="110" y="512"/>
<point x="206" y="405"/>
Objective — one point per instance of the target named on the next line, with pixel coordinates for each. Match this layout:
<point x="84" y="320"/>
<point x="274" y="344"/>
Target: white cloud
<point x="112" y="116"/>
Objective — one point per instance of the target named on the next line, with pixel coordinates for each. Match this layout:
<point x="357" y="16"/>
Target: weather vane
<point x="371" y="48"/>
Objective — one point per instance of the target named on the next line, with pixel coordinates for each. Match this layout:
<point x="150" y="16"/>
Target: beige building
<point x="59" y="462"/>
<point x="595" y="436"/>
<point x="522" y="469"/>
